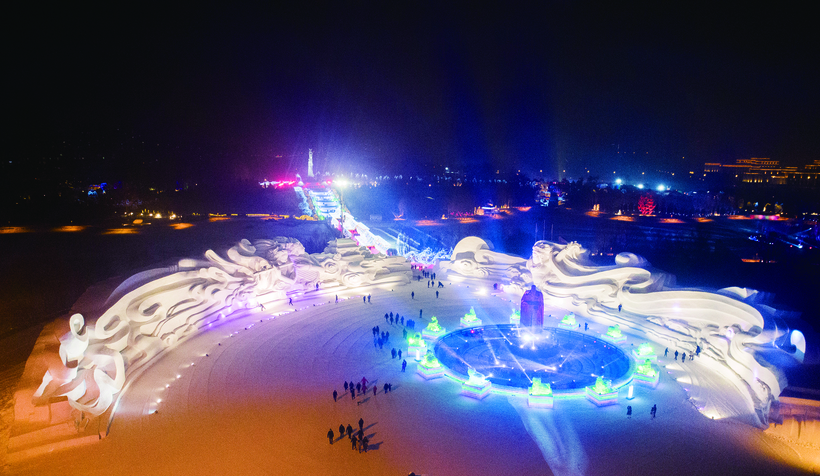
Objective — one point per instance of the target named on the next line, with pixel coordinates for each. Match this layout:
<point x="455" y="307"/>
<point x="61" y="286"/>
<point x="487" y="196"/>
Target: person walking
<point x="399" y="354"/>
<point x="349" y="431"/>
<point x="676" y="355"/>
<point x="436" y="294"/>
<point x="337" y="299"/>
<point x="391" y="321"/>
<point x="653" y="411"/>
<point x="368" y="299"/>
<point x="412" y="295"/>
<point x="402" y="320"/>
<point x="345" y="386"/>
<point x="386" y="318"/>
<point x="683" y="357"/>
<point x="330" y="436"/>
<point x="385" y="388"/>
<point x="629" y="411"/>
<point x="341" y="431"/>
<point x="361" y="424"/>
<point x="364" y="299"/>
<point x="666" y="352"/>
<point x="389" y="387"/>
<point x="352" y="393"/>
<point x="290" y="301"/>
<point x="393" y="353"/>
<point x="420" y="313"/>
<point x="335" y="395"/>
<point x="403" y="365"/>
<point x="375" y="387"/>
<point x="354" y="442"/>
<point x="358" y="387"/>
<point x="364" y="444"/>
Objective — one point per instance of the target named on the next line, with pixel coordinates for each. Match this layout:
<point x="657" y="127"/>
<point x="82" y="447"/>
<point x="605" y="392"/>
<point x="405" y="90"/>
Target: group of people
<point x="391" y="318"/>
<point x="683" y="355"/>
<point x="361" y="387"/>
<point x="359" y="441"/>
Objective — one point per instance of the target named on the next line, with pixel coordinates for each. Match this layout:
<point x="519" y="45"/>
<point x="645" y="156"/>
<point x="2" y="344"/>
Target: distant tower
<point x="310" y="162"/>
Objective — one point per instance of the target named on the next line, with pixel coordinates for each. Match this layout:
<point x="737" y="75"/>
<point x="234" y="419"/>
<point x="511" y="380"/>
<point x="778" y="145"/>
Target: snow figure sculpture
<point x="723" y="324"/>
<point x="473" y="257"/>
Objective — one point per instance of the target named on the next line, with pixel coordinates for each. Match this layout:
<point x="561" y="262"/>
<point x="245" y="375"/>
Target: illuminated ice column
<point x="602" y="393"/>
<point x="476" y="386"/>
<point x="614" y="334"/>
<point x="646" y="375"/>
<point x="433" y="330"/>
<point x="310" y="162"/>
<point x="416" y="345"/>
<point x="569" y="322"/>
<point x="540" y="394"/>
<point x="645" y="351"/>
<point x="470" y="319"/>
<point x="515" y="318"/>
<point x="430" y="367"/>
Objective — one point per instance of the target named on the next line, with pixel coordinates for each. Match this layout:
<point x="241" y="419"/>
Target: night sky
<point x="211" y="92"/>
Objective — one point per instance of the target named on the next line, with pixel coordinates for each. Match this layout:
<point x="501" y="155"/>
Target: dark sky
<point x="564" y="86"/>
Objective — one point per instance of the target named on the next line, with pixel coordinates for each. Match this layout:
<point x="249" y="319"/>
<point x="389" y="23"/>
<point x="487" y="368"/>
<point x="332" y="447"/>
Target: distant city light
<point x="661" y="188"/>
<point x="618" y="181"/>
<point x="640" y="186"/>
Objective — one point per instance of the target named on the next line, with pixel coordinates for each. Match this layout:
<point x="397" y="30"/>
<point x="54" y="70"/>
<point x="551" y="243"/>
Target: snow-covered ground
<point x="253" y="396"/>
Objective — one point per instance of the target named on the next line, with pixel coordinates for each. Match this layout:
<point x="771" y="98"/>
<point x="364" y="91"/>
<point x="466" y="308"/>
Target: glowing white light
<point x="640" y="186"/>
<point x="661" y="188"/>
<point x="618" y="181"/>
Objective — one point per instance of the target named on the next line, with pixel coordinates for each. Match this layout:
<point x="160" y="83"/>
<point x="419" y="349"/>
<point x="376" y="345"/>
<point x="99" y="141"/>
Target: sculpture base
<point x="412" y="350"/>
<point x="429" y="373"/>
<point x="470" y="323"/>
<point x="476" y="391"/>
<point x="602" y="399"/>
<point x="645" y="380"/>
<point x="641" y="358"/>
<point x="539" y="401"/>
<point x="614" y="340"/>
<point x="433" y="335"/>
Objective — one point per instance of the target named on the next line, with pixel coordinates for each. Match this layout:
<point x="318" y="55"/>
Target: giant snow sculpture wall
<point x="725" y="327"/>
<point x="153" y="310"/>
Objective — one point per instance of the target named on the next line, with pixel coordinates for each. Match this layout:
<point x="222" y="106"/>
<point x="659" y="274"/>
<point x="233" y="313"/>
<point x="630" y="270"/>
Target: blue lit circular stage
<point x="512" y="356"/>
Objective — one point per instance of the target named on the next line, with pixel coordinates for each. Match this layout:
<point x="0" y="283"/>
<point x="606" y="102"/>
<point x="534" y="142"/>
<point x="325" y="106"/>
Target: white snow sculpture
<point x="726" y="328"/>
<point x="473" y="257"/>
<point x="153" y="310"/>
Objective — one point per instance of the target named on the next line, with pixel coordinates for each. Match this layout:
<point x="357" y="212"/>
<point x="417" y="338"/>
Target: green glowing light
<point x="646" y="369"/>
<point x="540" y="389"/>
<point x="476" y="379"/>
<point x="602" y="386"/>
<point x="434" y="326"/>
<point x="416" y="340"/>
<point x="470" y="316"/>
<point x="614" y="331"/>
<point x="430" y="360"/>
<point x="515" y="317"/>
<point x="645" y="349"/>
<point x="569" y="320"/>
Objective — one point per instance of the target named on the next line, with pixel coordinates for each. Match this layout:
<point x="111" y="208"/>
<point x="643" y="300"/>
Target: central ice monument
<point x="532" y="309"/>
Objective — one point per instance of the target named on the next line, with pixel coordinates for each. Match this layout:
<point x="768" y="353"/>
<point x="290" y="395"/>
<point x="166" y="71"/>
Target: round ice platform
<point x="511" y="355"/>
